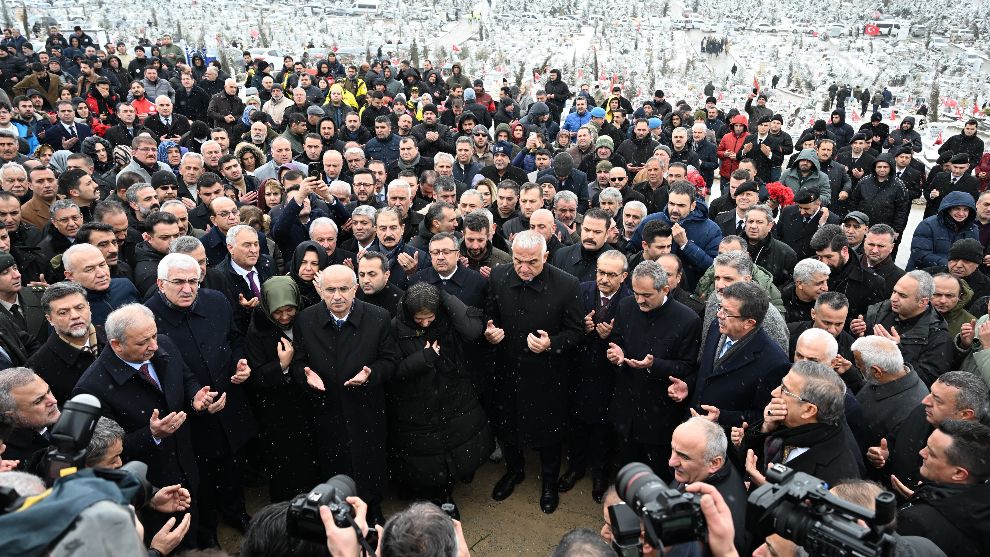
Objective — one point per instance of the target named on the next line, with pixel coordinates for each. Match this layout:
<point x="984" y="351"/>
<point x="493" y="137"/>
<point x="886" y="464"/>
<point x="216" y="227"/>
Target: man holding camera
<point x="143" y="384"/>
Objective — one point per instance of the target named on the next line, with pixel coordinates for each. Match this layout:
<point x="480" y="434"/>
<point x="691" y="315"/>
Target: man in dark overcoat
<point x="655" y="338"/>
<point x="345" y="351"/>
<point x="144" y="385"/>
<point x="535" y="321"/>
<point x="200" y="321"/>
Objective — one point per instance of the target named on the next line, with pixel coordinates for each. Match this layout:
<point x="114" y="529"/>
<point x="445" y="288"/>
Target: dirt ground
<point x="515" y="526"/>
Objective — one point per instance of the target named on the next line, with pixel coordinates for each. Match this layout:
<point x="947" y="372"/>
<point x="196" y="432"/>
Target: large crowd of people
<point x="391" y="273"/>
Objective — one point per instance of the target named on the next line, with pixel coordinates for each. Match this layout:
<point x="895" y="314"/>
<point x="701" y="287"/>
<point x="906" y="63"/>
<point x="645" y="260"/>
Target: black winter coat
<point x="594" y="376"/>
<point x="210" y="348"/>
<point x="640" y="408"/>
<point x="885" y="202"/>
<point x="955" y="517"/>
<point x="283" y="411"/>
<point x="350" y="424"/>
<point x="793" y="231"/>
<point x="530" y="390"/>
<point x="926" y="345"/>
<point x="438" y="430"/>
<point x="776" y="257"/>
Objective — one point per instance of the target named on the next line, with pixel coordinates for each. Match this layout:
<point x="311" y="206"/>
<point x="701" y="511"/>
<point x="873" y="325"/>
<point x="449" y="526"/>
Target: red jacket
<point x="731" y="142"/>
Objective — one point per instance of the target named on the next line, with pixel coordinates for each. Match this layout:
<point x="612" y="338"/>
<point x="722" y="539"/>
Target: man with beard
<point x="766" y="251"/>
<point x="530" y="200"/>
<point x="31" y="408"/>
<point x="838" y="175"/>
<point x="409" y="159"/>
<point x="373" y="280"/>
<point x="404" y="260"/>
<point x="431" y="136"/>
<point x="905" y="135"/>
<point x="477" y="247"/>
<point x="580" y="259"/>
<point x="639" y="148"/>
<point x="861" y="286"/>
<point x="160" y="229"/>
<point x="363" y="183"/>
<point x="385" y="145"/>
<point x="142" y="200"/>
<point x="102" y="236"/>
<point x="501" y="168"/>
<point x="878" y="248"/>
<point x="75" y="343"/>
<point x="857" y="159"/>
<point x="882" y="197"/>
<point x="966" y="142"/>
<point x="37" y="210"/>
<point x="536" y="320"/>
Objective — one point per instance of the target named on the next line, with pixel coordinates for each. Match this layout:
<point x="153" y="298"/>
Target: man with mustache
<point x="580" y="259"/>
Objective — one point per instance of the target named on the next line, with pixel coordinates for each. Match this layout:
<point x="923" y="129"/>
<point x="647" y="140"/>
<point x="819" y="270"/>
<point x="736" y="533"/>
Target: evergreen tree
<point x="414" y="54"/>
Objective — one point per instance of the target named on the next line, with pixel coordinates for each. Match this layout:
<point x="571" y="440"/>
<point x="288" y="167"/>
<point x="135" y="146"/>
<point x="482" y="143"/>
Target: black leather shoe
<point x="598" y="488"/>
<point x="238" y="522"/>
<point x="550" y="497"/>
<point x="506" y="485"/>
<point x="568" y="480"/>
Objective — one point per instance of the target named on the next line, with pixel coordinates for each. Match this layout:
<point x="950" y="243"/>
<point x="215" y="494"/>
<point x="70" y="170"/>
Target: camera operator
<point x="698" y="454"/>
<point x="952" y="506"/>
<point x="802" y="427"/>
<point x="27" y="401"/>
<point x="864" y="493"/>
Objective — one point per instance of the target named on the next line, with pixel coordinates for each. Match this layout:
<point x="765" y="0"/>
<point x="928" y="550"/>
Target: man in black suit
<point x="21" y="304"/>
<point x="799" y="222"/>
<point x="589" y="436"/>
<point x="345" y="349"/>
<point x="740" y="364"/>
<point x="144" y="386"/>
<point x="652" y="333"/>
<point x="165" y="124"/>
<point x="29" y="404"/>
<point x="75" y="343"/>
<point x="200" y="321"/>
<point x="66" y="133"/>
<point x="245" y="270"/>
<point x="956" y="179"/>
<point x="535" y="321"/>
<point x="465" y="284"/>
<point x="128" y="128"/>
<point x="209" y="186"/>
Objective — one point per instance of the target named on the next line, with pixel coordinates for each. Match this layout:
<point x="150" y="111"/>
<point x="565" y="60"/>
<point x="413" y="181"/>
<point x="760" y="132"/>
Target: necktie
<point x="72" y="131"/>
<point x="18" y="316"/>
<point x="253" y="284"/>
<point x="146" y="375"/>
<point x="899" y="172"/>
<point x="339" y="322"/>
<point x="955" y="179"/>
<point x="168" y="122"/>
<point x="739" y="228"/>
<point x="604" y="301"/>
<point x="726" y="346"/>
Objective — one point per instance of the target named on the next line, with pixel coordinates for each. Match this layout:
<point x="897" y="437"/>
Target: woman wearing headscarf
<point x="438" y="432"/>
<point x="170" y="153"/>
<point x="281" y="407"/>
<point x="100" y="150"/>
<point x="308" y="260"/>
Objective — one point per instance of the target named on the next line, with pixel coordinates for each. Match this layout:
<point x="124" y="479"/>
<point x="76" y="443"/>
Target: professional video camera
<point x="799" y="507"/>
<point x="71" y="435"/>
<point x="670" y="517"/>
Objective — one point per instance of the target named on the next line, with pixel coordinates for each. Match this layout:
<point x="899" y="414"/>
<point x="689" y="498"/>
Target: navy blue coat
<point x="398" y="275"/>
<point x="210" y="349"/>
<point x="128" y="399"/>
<point x="593" y="378"/>
<point x="739" y="384"/>
<point x="57" y="132"/>
<point x="641" y="410"/>
<point x="121" y="291"/>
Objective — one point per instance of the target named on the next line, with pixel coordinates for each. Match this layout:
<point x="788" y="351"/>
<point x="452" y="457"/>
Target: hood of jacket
<point x="842" y="117"/>
<point x="700" y="213"/>
<point x="908" y="120"/>
<point x="739" y="119"/>
<point x="808" y="155"/>
<point x="957" y="199"/>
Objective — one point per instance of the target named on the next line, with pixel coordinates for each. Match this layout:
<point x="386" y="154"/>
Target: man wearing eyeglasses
<point x="200" y="322"/>
<point x="467" y="285"/>
<point x="65" y="222"/>
<point x="803" y="427"/>
<point x="740" y="362"/>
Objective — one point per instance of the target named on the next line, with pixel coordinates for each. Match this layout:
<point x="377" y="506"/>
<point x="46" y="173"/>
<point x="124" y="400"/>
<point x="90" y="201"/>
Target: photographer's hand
<point x="462" y="546"/>
<point x="8" y="465"/>
<point x="721" y="531"/>
<point x="171" y="499"/>
<point x="167" y="539"/>
<point x="343" y="542"/>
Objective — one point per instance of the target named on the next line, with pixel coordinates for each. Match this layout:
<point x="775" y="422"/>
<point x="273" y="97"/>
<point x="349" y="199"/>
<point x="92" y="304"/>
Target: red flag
<point x="938" y="140"/>
<point x="958" y="112"/>
<point x="455" y="48"/>
<point x="871" y="30"/>
<point x="756" y="84"/>
<point x="976" y="107"/>
<point x="721" y="96"/>
<point x="893" y="114"/>
<point x="855" y="116"/>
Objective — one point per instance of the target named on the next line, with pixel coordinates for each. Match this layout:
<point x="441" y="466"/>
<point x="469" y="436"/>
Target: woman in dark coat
<point x="438" y="432"/>
<point x="308" y="260"/>
<point x="281" y="407"/>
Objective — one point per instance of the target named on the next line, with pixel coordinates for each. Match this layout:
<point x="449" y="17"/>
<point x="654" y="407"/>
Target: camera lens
<point x="636" y="484"/>
<point x="343" y="485"/>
